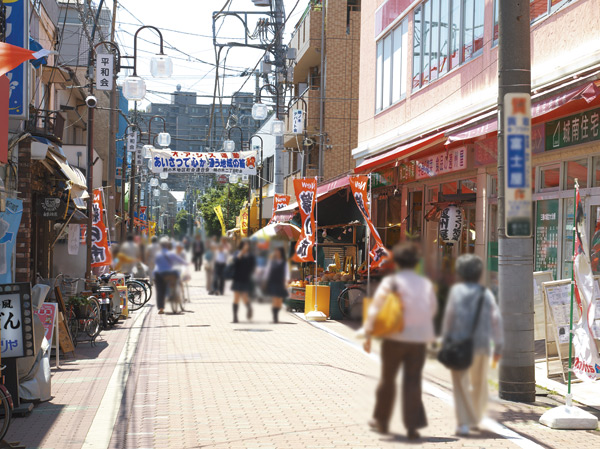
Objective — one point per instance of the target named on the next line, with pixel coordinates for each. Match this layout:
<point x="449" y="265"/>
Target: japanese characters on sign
<point x="306" y="194"/>
<point x="297" y="121"/>
<point x="100" y="252"/>
<point x="243" y="163"/>
<point x="51" y="208"/>
<point x="47" y="315"/>
<point x="517" y="160"/>
<point x="104" y="71"/>
<point x="407" y="171"/>
<point x="16" y="322"/>
<point x="279" y="202"/>
<point x="132" y="138"/>
<point x="573" y="130"/>
<point x="358" y="184"/>
<point x="442" y="163"/>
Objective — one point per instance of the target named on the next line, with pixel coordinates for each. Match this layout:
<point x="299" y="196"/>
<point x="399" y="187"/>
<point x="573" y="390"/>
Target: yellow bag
<point x="390" y="318"/>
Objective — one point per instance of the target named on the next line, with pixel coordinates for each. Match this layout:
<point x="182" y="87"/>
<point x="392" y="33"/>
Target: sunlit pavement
<point x="197" y="380"/>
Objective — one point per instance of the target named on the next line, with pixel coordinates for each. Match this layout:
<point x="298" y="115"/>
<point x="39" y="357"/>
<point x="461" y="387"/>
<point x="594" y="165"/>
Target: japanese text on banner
<point x="279" y="202"/>
<point x="100" y="251"/>
<point x="242" y="163"/>
<point x="306" y="194"/>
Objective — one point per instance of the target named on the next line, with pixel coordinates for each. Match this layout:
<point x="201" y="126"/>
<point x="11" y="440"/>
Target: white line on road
<point x="101" y="430"/>
<point x="488" y="423"/>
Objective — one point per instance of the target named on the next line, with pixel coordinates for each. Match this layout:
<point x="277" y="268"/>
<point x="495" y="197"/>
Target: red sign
<point x="306" y="194"/>
<point x="279" y="202"/>
<point x="222" y="179"/>
<point x="47" y="315"/>
<point x="358" y="184"/>
<point x="100" y="252"/>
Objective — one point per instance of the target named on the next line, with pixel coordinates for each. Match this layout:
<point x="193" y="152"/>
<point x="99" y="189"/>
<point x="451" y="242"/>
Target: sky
<point x="187" y="31"/>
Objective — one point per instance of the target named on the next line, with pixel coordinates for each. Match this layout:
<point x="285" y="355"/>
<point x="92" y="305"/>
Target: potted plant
<point x="79" y="304"/>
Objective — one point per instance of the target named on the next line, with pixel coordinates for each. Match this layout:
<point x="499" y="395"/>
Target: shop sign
<point x="279" y="202"/>
<point x="407" y="171"/>
<point x="104" y="71"/>
<point x="517" y="160"/>
<point x="297" y="121"/>
<point x="16" y="320"/>
<point x="241" y="163"/>
<point x="442" y="163"/>
<point x="10" y="220"/>
<point x="51" y="208"/>
<point x="244" y="222"/>
<point x="450" y="226"/>
<point x="383" y="178"/>
<point x="132" y="138"/>
<point x="100" y="251"/>
<point x="17" y="33"/>
<point x="306" y="194"/>
<point x="573" y="130"/>
<point x="47" y="315"/>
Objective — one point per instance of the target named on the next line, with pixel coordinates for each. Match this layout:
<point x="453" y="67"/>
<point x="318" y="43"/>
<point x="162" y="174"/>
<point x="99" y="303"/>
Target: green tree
<point x="230" y="197"/>
<point x="182" y="220"/>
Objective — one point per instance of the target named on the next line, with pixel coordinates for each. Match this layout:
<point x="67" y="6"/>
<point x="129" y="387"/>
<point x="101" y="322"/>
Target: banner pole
<point x="316" y="244"/>
<point x="569" y="397"/>
<point x="368" y="240"/>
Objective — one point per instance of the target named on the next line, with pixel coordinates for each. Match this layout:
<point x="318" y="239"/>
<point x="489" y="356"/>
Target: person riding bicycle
<point x="166" y="273"/>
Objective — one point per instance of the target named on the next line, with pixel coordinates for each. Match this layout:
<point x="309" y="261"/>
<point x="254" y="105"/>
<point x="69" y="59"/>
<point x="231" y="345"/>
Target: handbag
<point x="229" y="270"/>
<point x="458" y="355"/>
<point x="390" y="319"/>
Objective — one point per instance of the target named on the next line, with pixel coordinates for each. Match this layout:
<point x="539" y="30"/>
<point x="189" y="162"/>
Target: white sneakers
<point x="462" y="430"/>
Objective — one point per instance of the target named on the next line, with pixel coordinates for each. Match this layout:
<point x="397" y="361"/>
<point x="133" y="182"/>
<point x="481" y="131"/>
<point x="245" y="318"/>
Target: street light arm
<point x="150" y="125"/>
<point x="115" y="48"/>
<point x="135" y="45"/>
<point x="235" y="127"/>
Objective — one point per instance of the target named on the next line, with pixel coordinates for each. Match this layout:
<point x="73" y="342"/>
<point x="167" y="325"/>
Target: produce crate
<point x="296" y="300"/>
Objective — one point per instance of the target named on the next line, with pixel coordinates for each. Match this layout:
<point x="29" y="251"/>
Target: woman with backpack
<point x="405" y="347"/>
<point x="472" y="315"/>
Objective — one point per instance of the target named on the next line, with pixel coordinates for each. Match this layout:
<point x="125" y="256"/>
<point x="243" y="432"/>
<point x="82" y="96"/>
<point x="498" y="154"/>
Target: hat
<point x="164" y="240"/>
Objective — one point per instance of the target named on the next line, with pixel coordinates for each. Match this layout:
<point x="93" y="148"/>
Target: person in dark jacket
<point x="277" y="275"/>
<point x="243" y="269"/>
<point x="198" y="250"/>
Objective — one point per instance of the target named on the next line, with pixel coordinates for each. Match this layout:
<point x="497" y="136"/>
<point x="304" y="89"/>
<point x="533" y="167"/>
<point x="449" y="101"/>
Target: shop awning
<point x="542" y="110"/>
<point x="403" y="150"/>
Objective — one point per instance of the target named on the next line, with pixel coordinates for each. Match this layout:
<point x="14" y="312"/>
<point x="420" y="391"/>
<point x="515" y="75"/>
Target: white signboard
<point x="517" y="162"/>
<point x="16" y="314"/>
<point x="104" y="71"/>
<point x="132" y="141"/>
<point x="74" y="239"/>
<point x="297" y="121"/>
<point x="240" y="163"/>
<point x="441" y="163"/>
<point x="139" y="158"/>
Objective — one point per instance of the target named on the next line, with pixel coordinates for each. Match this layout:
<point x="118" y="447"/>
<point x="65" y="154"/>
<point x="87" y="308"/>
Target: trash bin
<point x="323" y="292"/>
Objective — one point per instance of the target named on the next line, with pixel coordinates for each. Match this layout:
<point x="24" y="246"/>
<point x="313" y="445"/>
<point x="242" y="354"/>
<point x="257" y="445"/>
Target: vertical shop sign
<point x="16" y="326"/>
<point x="546" y="236"/>
<point x="100" y="251"/>
<point x="517" y="160"/>
<point x="132" y="141"/>
<point x="17" y="33"/>
<point x="10" y="220"/>
<point x="306" y="194"/>
<point x="358" y="184"/>
<point x="279" y="202"/>
<point x="104" y="71"/>
<point x="298" y="121"/>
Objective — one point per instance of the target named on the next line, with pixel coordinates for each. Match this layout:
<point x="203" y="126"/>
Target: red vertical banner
<point x="100" y="252"/>
<point x="306" y="194"/>
<point x="279" y="202"/>
<point x="358" y="184"/>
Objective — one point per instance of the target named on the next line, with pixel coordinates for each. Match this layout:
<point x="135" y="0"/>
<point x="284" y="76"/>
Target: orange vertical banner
<point x="100" y="251"/>
<point x="306" y="194"/>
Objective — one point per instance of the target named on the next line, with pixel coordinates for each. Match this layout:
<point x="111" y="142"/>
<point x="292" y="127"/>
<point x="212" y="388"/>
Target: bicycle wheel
<point x="148" y="287"/>
<point x="73" y="323"/>
<point x="350" y="302"/>
<point x="92" y="322"/>
<point x="136" y="295"/>
<point x="6" y="407"/>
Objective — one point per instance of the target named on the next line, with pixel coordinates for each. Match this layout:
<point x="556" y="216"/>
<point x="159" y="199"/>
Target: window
<point x="391" y="67"/>
<point x="447" y="33"/>
<point x="496" y="3"/>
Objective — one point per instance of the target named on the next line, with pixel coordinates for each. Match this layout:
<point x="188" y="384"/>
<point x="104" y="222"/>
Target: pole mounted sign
<point x="104" y="71"/>
<point x="517" y="160"/>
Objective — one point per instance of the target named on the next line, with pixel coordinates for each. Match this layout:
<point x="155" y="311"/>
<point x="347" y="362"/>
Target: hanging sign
<point x="297" y="121"/>
<point x="16" y="323"/>
<point x="47" y="315"/>
<point x="306" y="194"/>
<point x="74" y="239"/>
<point x="442" y="163"/>
<point x="104" y="71"/>
<point x="243" y="162"/>
<point x="100" y="252"/>
<point x="244" y="222"/>
<point x="586" y="364"/>
<point x="51" y="208"/>
<point x="219" y="213"/>
<point x="450" y="226"/>
<point x="10" y="220"/>
<point x="132" y="141"/>
<point x="517" y="160"/>
<point x="279" y="202"/>
<point x="17" y="33"/>
<point x="358" y="184"/>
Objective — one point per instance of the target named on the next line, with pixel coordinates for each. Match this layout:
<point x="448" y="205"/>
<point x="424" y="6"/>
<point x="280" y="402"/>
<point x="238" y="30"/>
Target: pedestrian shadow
<point x="400" y="438"/>
<point x="253" y="330"/>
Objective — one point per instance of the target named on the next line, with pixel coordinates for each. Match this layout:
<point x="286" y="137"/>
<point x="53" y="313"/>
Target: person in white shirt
<point x="406" y="347"/>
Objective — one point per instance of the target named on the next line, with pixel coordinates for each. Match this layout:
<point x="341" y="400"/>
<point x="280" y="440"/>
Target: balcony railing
<point x="46" y="123"/>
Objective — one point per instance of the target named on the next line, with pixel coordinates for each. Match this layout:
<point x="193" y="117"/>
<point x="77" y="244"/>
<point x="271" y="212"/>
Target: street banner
<point x="242" y="163"/>
<point x="379" y="253"/>
<point x="306" y="194"/>
<point x="219" y="213"/>
<point x="279" y="202"/>
<point x="73" y="240"/>
<point x="100" y="251"/>
<point x="244" y="222"/>
<point x="10" y="220"/>
<point x="104" y="71"/>
<point x="152" y="228"/>
<point x="586" y="363"/>
<point x="17" y="33"/>
<point x="517" y="160"/>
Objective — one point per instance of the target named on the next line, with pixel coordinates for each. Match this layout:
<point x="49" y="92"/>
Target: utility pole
<point x="132" y="175"/>
<point x="279" y="71"/>
<point x="515" y="255"/>
<point x="112" y="143"/>
<point x="322" y="92"/>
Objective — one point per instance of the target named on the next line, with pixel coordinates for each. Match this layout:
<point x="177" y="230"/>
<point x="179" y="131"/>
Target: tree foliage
<point x="230" y="197"/>
<point x="182" y="220"/>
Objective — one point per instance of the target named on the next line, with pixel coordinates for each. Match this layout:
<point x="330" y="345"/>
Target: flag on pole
<point x="219" y="213"/>
<point x="586" y="364"/>
<point x="12" y="56"/>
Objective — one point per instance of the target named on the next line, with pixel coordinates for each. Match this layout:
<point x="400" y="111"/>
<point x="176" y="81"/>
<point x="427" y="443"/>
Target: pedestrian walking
<point x="166" y="274"/>
<point x="151" y="253"/>
<point x="209" y="265"/>
<point x="198" y="252"/>
<point x="472" y="311"/>
<point x="277" y="275"/>
<point x="244" y="263"/>
<point x="406" y="347"/>
<point x="221" y="256"/>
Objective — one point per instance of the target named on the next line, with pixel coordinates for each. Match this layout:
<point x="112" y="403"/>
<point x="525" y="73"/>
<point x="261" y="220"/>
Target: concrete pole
<point x="90" y="186"/>
<point x="515" y="255"/>
<point x="112" y="143"/>
<point x="280" y="66"/>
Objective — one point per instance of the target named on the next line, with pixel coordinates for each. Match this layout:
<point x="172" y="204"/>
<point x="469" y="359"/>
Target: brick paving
<point x="197" y="380"/>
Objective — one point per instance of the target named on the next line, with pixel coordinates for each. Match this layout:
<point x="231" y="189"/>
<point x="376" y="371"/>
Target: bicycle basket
<point x="69" y="287"/>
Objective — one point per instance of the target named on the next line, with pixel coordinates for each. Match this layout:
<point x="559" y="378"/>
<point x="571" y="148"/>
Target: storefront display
<point x="546" y="247"/>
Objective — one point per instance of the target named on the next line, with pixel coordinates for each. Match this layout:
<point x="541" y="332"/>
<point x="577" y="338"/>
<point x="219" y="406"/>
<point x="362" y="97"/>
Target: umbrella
<point x="277" y="231"/>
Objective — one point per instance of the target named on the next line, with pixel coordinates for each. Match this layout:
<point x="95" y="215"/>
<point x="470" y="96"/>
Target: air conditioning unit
<point x="261" y="2"/>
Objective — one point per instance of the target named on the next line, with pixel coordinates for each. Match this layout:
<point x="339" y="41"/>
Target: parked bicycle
<point x="350" y="301"/>
<point x="6" y="408"/>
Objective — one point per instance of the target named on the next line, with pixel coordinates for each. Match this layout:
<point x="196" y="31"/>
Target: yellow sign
<point x="219" y="213"/>
<point x="244" y="223"/>
<point x="152" y="228"/>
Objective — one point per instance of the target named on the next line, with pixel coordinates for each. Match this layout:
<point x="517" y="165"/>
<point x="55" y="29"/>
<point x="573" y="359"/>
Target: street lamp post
<point x="229" y="145"/>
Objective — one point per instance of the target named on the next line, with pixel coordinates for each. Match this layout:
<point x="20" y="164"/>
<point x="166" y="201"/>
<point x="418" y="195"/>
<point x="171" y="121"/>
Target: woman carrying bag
<point x="472" y="321"/>
<point x="404" y="347"/>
